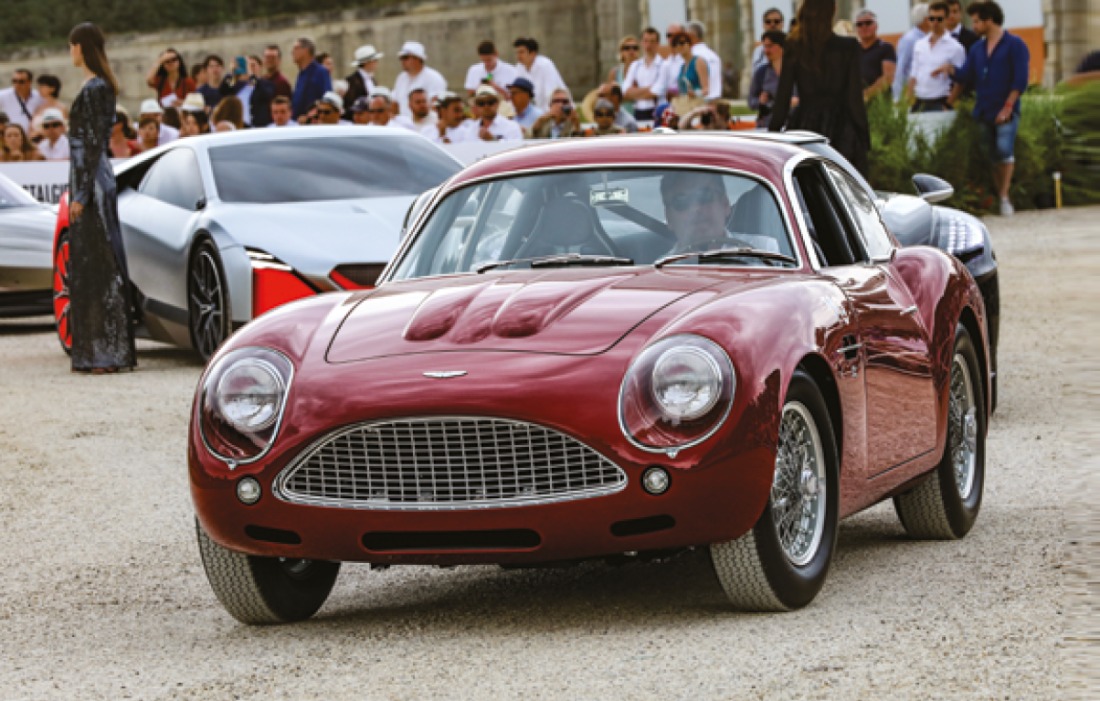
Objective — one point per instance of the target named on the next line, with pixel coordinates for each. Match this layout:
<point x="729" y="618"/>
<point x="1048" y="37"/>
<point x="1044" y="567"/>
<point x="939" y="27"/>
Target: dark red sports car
<point x="625" y="345"/>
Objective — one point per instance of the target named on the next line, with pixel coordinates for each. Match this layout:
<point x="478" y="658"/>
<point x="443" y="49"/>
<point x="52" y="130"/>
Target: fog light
<point x="248" y="490"/>
<point x="655" y="480"/>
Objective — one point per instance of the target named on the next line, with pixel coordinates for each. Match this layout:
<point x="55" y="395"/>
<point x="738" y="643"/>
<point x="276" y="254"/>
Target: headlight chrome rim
<point x="224" y="406"/>
<point x="273" y="361"/>
<point x="642" y="367"/>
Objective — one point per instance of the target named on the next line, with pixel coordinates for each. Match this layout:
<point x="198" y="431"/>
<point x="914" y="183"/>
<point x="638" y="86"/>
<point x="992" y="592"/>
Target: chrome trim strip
<point x="280" y="490"/>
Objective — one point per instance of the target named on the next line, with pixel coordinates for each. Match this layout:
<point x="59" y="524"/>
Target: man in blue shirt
<point x="997" y="68"/>
<point x="313" y="78"/>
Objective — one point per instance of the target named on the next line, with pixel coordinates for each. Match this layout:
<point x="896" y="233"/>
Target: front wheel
<point x="946" y="504"/>
<point x="61" y="298"/>
<point x="207" y="301"/>
<point x="265" y="590"/>
<point x="780" y="565"/>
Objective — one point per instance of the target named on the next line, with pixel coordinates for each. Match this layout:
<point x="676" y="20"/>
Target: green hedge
<point x="1055" y="135"/>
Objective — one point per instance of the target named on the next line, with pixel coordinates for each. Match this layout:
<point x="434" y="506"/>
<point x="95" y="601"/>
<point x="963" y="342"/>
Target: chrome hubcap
<point x="962" y="432"/>
<point x="798" y="488"/>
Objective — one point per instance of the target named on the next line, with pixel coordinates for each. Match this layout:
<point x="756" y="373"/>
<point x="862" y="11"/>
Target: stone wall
<point x="1072" y="31"/>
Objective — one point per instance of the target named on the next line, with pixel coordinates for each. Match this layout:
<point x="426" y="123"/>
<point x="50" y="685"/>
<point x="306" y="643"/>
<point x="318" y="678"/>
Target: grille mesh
<point x="447" y="463"/>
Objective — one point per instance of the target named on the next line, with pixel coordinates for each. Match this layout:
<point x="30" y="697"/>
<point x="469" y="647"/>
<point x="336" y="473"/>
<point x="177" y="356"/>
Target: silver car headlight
<point x="243" y="397"/>
<point x="676" y="393"/>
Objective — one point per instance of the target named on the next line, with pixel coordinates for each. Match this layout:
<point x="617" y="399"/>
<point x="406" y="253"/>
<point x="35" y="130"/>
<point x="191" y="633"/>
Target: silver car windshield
<point x="12" y="195"/>
<point x="318" y="169"/>
<point x="598" y="217"/>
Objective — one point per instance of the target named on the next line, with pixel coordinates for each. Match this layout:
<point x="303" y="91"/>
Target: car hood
<point x="313" y="237"/>
<point x="571" y="312"/>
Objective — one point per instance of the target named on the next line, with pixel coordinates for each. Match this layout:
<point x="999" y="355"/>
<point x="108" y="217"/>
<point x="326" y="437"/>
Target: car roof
<point x="761" y="155"/>
<point x="265" y="135"/>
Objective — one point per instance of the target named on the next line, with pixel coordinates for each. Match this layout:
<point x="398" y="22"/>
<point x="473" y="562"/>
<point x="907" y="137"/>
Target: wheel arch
<point x="819" y="371"/>
<point x="969" y="320"/>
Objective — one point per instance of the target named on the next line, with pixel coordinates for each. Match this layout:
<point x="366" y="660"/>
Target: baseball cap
<point x="413" y="48"/>
<point x="150" y="106"/>
<point x="524" y="85"/>
<point x="486" y="90"/>
<point x="381" y="91"/>
<point x="361" y="104"/>
<point x="333" y="99"/>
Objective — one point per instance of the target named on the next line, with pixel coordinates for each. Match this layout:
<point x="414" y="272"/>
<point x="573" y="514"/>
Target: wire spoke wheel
<point x="798" y="489"/>
<point x="962" y="427"/>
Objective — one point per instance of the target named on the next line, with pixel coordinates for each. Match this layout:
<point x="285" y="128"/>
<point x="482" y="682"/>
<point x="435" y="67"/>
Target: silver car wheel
<point x="798" y="487"/>
<point x="206" y="297"/>
<point x="963" y="427"/>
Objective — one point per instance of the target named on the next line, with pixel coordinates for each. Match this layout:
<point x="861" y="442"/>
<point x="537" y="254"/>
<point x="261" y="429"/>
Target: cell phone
<point x="242" y="66"/>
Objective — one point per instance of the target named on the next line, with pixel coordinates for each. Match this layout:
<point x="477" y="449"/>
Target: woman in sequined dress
<point x="101" y="312"/>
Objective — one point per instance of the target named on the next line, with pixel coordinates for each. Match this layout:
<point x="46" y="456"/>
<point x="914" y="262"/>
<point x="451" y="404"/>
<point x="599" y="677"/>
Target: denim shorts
<point x="1001" y="139"/>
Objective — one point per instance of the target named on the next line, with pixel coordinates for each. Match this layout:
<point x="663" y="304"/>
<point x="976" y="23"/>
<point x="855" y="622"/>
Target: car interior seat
<point x="565" y="225"/>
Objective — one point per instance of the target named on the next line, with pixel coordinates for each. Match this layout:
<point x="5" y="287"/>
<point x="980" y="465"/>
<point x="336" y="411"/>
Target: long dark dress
<point x="830" y="98"/>
<point x="99" y="283"/>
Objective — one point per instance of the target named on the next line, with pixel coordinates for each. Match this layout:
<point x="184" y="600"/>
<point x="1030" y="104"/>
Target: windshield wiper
<point x="721" y="253"/>
<point x="555" y="261"/>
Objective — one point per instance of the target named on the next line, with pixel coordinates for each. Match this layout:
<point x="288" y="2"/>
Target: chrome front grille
<point x="447" y="463"/>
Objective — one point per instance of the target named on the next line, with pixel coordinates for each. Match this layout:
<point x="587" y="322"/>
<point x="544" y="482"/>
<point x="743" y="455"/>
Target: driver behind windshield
<point x="696" y="209"/>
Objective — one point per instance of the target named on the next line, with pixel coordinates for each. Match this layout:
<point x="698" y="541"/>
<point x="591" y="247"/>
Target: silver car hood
<point x="315" y="237"/>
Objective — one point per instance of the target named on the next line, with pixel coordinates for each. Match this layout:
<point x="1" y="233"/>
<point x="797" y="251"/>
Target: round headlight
<point x="687" y="383"/>
<point x="248" y="395"/>
<point x="243" y="394"/>
<point x="676" y="393"/>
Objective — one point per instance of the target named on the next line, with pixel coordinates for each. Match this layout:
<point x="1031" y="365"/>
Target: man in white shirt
<point x="644" y="83"/>
<point x="21" y="100"/>
<point x="421" y="114"/>
<point x="282" y="112"/>
<point x="929" y="86"/>
<point x="416" y="75"/>
<point x="487" y="125"/>
<point x="538" y="69"/>
<point x="919" y="17"/>
<point x="696" y="31"/>
<point x="490" y="70"/>
<point x="165" y="133"/>
<point x="452" y="126"/>
<point x="55" y="145"/>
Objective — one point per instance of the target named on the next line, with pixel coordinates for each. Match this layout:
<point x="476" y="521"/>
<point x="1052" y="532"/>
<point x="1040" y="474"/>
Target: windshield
<point x="618" y="215"/>
<point x="337" y="168"/>
<point x="12" y="195"/>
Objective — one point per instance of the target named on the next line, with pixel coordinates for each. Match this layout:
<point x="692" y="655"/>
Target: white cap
<point x="486" y="90"/>
<point x="366" y="53"/>
<point x="381" y="91"/>
<point x="52" y="114"/>
<point x="193" y="103"/>
<point x="413" y="48"/>
<point x="333" y="99"/>
<point x="150" y="106"/>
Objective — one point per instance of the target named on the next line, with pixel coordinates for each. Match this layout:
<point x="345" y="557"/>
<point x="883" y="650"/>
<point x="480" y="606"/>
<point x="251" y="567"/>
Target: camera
<point x="567" y="109"/>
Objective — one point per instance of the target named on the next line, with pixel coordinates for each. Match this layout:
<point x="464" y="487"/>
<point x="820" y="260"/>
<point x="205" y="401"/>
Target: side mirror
<point x="932" y="189"/>
<point x="415" y="208"/>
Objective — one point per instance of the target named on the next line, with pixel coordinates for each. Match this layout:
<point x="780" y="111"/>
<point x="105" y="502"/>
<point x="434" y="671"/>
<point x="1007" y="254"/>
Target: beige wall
<point x="1072" y="31"/>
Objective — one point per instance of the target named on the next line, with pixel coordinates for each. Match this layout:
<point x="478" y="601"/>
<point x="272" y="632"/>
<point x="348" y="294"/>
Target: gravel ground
<point x="105" y="597"/>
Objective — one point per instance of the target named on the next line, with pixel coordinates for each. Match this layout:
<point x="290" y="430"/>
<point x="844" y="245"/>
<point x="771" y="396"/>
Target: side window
<point x="826" y="225"/>
<point x="175" y="180"/>
<point x="864" y="215"/>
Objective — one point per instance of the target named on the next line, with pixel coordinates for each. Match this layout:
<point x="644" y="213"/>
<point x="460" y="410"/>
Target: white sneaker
<point x="1007" y="209"/>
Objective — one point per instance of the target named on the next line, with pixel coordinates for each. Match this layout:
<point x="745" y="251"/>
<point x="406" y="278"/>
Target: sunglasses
<point x="686" y="200"/>
<point x="325" y="111"/>
<point x="865" y="23"/>
<point x="773" y="21"/>
<point x="485" y="103"/>
<point x="935" y="19"/>
<point x="629" y="47"/>
<point x="604" y="113"/>
<point x="19" y="81"/>
<point x="376" y="110"/>
<point x="560" y="101"/>
<point x="52" y="125"/>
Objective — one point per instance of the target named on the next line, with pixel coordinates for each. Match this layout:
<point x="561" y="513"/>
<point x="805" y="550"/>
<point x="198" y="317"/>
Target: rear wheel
<point x="945" y="506"/>
<point x="265" y="590"/>
<point x="781" y="563"/>
<point x="207" y="301"/>
<point x="61" y="299"/>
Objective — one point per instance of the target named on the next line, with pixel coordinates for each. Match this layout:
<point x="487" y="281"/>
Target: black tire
<point x="758" y="571"/>
<point x="208" y="317"/>
<point x="265" y="590"/>
<point x="945" y="505"/>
